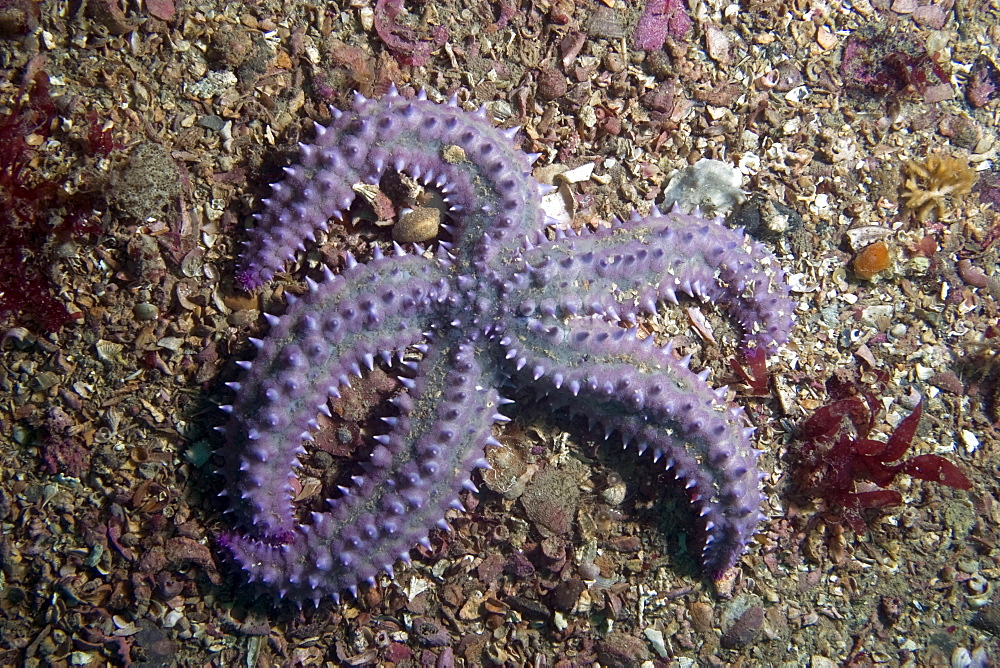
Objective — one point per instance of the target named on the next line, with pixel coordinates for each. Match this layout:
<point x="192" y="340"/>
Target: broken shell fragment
<point x="109" y="351"/>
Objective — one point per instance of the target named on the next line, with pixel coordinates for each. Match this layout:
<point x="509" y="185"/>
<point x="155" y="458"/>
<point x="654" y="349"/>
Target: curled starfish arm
<point x="413" y="477"/>
<point x="724" y="498"/>
<point x="627" y="269"/>
<point x="340" y="327"/>
<point x="484" y="180"/>
<point x="654" y="402"/>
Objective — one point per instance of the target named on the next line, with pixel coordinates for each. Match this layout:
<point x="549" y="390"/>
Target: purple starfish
<point x="501" y="304"/>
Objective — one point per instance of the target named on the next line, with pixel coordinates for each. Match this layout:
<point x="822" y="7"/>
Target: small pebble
<point x="621" y="650"/>
<point x="615" y="492"/>
<point x="988" y="619"/>
<point x="820" y="661"/>
<point x="744" y="630"/>
<point x="566" y="594"/>
<point x="702" y="616"/>
<point x="551" y="84"/>
<point x="417" y="225"/>
<point x="655" y="638"/>
<point x="949" y="382"/>
<point x="972" y="274"/>
<point x="145" y="311"/>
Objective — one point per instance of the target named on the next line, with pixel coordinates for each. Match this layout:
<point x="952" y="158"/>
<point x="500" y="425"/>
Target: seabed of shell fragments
<point x="174" y="115"/>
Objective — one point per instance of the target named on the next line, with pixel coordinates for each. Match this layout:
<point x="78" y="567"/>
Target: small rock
<point x="614" y="494"/>
<point x="528" y="607"/>
<point x="744" y="630"/>
<point x="470" y="610"/>
<point x="865" y="235"/>
<point x="519" y="566"/>
<point x="606" y="23"/>
<point x="550" y="501"/>
<point x="145" y="311"/>
<point x="161" y="9"/>
<point x="765" y="218"/>
<point x="789" y="76"/>
<point x="109" y="15"/>
<point x="154" y="644"/>
<point x="702" y="616"/>
<point x="931" y="16"/>
<point x="619" y="650"/>
<point x="397" y="653"/>
<point x="490" y="568"/>
<point x="148" y="185"/>
<point x="566" y="594"/>
<point x="429" y="633"/>
<point x="153" y="560"/>
<point x="949" y="382"/>
<point x="988" y="619"/>
<point x="712" y="185"/>
<point x="418" y="225"/>
<point x="972" y="274"/>
<point x="655" y="638"/>
<point x="717" y="44"/>
<point x="181" y="550"/>
<point x="18" y="18"/>
<point x="357" y="401"/>
<point x="551" y="84"/>
<point x="626" y="543"/>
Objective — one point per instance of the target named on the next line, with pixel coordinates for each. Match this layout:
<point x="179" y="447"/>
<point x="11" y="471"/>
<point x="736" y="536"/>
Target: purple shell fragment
<point x="660" y="19"/>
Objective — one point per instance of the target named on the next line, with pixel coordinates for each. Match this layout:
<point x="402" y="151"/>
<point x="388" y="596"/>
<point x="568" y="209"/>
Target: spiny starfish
<point x="502" y="304"/>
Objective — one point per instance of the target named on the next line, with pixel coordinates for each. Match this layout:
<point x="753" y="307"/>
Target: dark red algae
<point x="34" y="212"/>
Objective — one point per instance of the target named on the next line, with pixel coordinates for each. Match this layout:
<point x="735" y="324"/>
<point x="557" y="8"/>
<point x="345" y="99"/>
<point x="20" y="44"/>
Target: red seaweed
<point x="409" y="47"/>
<point x="885" y="63"/>
<point x="983" y="83"/>
<point x="840" y="464"/>
<point x="752" y="370"/>
<point x="28" y="207"/>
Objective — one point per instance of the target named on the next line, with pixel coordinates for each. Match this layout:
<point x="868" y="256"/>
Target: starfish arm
<point x="646" y="395"/>
<point x="725" y="498"/>
<point x="415" y="474"/>
<point x="324" y="338"/>
<point x="484" y="180"/>
<point x="622" y="271"/>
